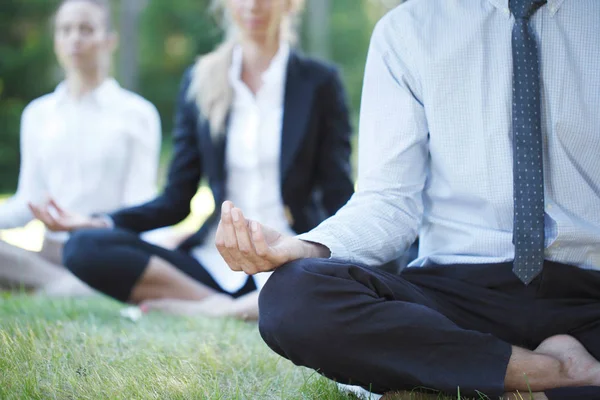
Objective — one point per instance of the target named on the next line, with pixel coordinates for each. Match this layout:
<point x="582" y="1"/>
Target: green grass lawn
<point x="84" y="349"/>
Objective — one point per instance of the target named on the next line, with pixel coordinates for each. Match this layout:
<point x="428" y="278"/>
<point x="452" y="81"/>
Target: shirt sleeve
<point x="145" y="142"/>
<point x="382" y="218"/>
<point x="15" y="212"/>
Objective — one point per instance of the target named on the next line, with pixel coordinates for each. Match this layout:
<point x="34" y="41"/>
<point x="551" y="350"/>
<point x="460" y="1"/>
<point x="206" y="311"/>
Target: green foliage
<point x="172" y="33"/>
<point x="350" y="37"/>
<point x="26" y="72"/>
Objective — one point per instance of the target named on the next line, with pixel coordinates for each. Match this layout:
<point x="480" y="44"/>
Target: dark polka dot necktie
<point x="528" y="231"/>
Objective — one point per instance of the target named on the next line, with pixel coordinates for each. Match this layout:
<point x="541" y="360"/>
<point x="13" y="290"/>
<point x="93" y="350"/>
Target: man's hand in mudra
<point x="251" y="247"/>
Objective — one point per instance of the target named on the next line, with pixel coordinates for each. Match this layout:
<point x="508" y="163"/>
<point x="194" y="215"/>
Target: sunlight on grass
<point x="82" y="349"/>
<point x="31" y="236"/>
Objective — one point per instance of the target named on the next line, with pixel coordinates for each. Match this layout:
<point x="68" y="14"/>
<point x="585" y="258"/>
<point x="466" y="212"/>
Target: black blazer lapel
<point x="298" y="101"/>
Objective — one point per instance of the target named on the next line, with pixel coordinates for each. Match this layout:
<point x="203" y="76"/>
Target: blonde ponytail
<point x="210" y="87"/>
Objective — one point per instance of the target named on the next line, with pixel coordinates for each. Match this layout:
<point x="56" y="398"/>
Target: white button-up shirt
<point x="92" y="155"/>
<point x="435" y="146"/>
<point x="252" y="161"/>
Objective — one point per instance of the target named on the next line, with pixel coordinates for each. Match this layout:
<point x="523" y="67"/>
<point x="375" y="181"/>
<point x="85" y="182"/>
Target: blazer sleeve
<point x="334" y="172"/>
<point x="185" y="172"/>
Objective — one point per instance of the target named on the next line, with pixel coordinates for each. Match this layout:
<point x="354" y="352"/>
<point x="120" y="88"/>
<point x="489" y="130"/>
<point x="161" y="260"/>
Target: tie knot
<point x="524" y="9"/>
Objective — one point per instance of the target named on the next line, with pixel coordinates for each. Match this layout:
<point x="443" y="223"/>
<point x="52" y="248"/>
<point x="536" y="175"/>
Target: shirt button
<point x="549" y="207"/>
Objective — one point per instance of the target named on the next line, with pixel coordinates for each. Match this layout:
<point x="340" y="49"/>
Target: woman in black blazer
<point x="265" y="127"/>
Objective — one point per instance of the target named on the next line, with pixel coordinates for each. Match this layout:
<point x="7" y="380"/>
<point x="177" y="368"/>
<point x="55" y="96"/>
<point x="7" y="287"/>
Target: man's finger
<point x="233" y="264"/>
<point x="223" y="251"/>
<point x="269" y="257"/>
<point x="259" y="241"/>
<point x="230" y="237"/>
<point x="244" y="241"/>
<point x="252" y="263"/>
<point x="227" y="227"/>
<point x="228" y="242"/>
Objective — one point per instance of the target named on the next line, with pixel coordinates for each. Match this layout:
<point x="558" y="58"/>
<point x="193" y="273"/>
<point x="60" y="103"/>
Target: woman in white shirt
<point x="267" y="128"/>
<point x="88" y="134"/>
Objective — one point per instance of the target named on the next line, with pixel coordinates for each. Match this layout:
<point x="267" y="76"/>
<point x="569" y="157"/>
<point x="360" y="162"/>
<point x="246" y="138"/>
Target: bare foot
<point x="577" y="363"/>
<point x="216" y="305"/>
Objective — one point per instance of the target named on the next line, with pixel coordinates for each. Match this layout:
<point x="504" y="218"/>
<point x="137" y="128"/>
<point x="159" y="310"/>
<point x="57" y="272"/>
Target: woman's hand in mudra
<point x="252" y="247"/>
<point x="58" y="220"/>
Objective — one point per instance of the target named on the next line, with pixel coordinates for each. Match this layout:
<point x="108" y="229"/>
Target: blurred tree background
<point x="159" y="39"/>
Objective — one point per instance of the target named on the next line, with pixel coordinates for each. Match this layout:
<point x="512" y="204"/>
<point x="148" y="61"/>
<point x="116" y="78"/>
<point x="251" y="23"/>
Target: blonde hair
<point x="210" y="87"/>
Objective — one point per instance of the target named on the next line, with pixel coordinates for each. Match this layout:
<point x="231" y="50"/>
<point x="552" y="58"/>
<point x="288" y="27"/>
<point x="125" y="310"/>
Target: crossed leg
<point x="444" y="328"/>
<point x="20" y="268"/>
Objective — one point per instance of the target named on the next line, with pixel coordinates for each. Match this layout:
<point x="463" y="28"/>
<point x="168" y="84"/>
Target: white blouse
<point x="252" y="162"/>
<point x="92" y="155"/>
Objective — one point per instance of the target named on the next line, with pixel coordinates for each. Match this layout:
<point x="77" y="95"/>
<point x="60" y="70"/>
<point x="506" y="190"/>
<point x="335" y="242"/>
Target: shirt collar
<point x="103" y="95"/>
<point x="553" y="5"/>
<point x="274" y="73"/>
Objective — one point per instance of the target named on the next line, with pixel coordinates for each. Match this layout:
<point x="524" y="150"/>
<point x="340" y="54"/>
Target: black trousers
<point x="439" y="327"/>
<point x="113" y="260"/>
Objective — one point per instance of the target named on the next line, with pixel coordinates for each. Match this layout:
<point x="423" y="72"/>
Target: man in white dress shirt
<point x="479" y="131"/>
<point x="90" y="146"/>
